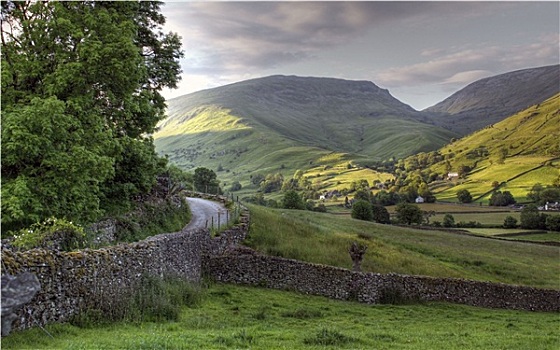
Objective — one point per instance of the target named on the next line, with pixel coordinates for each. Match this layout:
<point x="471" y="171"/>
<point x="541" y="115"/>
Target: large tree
<point x="81" y="85"/>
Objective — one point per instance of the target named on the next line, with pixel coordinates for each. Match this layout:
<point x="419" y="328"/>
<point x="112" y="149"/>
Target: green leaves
<point x="80" y="89"/>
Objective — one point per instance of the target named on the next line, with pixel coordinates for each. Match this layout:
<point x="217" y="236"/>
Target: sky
<point x="422" y="52"/>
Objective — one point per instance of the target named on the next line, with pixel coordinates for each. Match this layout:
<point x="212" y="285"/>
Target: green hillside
<point x="516" y="153"/>
<point x="280" y="124"/>
<point x="490" y="100"/>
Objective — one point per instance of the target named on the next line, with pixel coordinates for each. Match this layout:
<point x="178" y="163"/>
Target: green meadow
<point x="239" y="317"/>
<point x="324" y="238"/>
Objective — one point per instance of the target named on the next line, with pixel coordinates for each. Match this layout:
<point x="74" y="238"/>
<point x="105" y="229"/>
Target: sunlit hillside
<point x="516" y="153"/>
<point x="281" y="124"/>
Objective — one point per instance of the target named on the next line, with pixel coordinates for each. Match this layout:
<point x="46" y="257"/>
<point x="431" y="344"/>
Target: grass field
<point x="325" y="238"/>
<point x="237" y="317"/>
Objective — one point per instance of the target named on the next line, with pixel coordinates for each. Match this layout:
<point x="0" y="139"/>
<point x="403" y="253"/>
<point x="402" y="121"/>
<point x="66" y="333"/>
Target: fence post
<point x="219" y="220"/>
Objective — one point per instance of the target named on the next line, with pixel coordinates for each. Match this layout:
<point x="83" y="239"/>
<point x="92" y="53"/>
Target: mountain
<point x="515" y="153"/>
<point x="288" y="122"/>
<point x="490" y="100"/>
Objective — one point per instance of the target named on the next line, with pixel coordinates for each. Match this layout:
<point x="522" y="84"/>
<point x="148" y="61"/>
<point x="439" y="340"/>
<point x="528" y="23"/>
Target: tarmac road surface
<point x="203" y="211"/>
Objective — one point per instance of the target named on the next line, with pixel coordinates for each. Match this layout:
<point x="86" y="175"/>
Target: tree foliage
<point x="205" y="180"/>
<point x="501" y="199"/>
<point x="380" y="214"/>
<point x="409" y="214"/>
<point x="531" y="218"/>
<point x="541" y="195"/>
<point x="510" y="222"/>
<point x="362" y="210"/>
<point x="464" y="196"/>
<point x="292" y="200"/>
<point x="81" y="86"/>
<point x="448" y="220"/>
<point x="553" y="222"/>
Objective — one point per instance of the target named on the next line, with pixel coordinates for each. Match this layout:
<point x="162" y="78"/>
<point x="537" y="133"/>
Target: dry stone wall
<point x="248" y="267"/>
<point x="73" y="281"/>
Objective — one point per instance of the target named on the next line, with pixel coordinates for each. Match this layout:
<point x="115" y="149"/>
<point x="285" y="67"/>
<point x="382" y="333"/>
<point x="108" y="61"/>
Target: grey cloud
<point x="462" y="67"/>
<point x="259" y="35"/>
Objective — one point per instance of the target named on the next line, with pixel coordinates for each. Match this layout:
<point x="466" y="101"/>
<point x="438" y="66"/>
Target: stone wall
<point x="245" y="266"/>
<point x="74" y="281"/>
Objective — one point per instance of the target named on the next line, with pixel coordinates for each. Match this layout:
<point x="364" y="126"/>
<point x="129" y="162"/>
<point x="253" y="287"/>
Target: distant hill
<point x="490" y="100"/>
<point x="288" y="122"/>
<point x="516" y="153"/>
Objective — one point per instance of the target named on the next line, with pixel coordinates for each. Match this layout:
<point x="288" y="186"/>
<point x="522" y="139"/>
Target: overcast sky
<point x="421" y="51"/>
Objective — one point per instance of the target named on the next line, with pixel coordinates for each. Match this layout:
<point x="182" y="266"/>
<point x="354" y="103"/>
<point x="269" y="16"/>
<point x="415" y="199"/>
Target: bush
<point x="52" y="233"/>
<point x="235" y="186"/>
<point x="531" y="218"/>
<point x="470" y="224"/>
<point x="380" y="214"/>
<point x="292" y="200"/>
<point x="320" y="208"/>
<point x="510" y="222"/>
<point x="448" y="220"/>
<point x="362" y="210"/>
<point x="409" y="214"/>
<point x="501" y="199"/>
<point x="553" y="222"/>
<point x="464" y="196"/>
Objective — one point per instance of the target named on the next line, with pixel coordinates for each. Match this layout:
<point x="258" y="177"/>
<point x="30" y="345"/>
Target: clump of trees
<point x="205" y="180"/>
<point x="540" y="194"/>
<point x="532" y="218"/>
<point x="81" y="85"/>
<point x="501" y="199"/>
<point x="408" y="214"/>
<point x="464" y="196"/>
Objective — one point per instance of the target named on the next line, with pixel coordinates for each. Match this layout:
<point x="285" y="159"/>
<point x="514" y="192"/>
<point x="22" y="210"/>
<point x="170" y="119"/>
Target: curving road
<point x="202" y="211"/>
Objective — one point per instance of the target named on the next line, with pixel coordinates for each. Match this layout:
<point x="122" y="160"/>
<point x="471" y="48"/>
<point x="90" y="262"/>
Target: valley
<point x="337" y="132"/>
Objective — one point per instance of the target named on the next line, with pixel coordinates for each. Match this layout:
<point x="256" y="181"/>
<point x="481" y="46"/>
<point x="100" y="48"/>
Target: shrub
<point x="470" y="224"/>
<point x="409" y="214"/>
<point x="380" y="214"/>
<point x="510" y="222"/>
<point x="464" y="196"/>
<point x="52" y="233"/>
<point x="320" y="208"/>
<point x="362" y="210"/>
<point x="553" y="222"/>
<point x="448" y="220"/>
<point x="292" y="200"/>
<point x="501" y="199"/>
<point x="235" y="186"/>
<point x="531" y="218"/>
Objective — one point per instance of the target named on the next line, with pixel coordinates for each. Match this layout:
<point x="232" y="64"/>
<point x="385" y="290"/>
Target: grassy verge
<point x="325" y="238"/>
<point x="236" y="317"/>
<point x="152" y="219"/>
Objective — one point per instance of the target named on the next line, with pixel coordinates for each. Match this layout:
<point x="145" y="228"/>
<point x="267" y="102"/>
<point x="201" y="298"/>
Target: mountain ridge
<point x="337" y="115"/>
<point x="284" y="123"/>
<point x="489" y="100"/>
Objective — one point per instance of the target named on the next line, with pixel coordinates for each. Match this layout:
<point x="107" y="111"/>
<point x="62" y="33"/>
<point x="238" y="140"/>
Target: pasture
<point x="325" y="238"/>
<point x="238" y="317"/>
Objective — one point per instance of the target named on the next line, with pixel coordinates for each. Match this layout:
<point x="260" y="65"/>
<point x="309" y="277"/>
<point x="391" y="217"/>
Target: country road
<point x="202" y="212"/>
